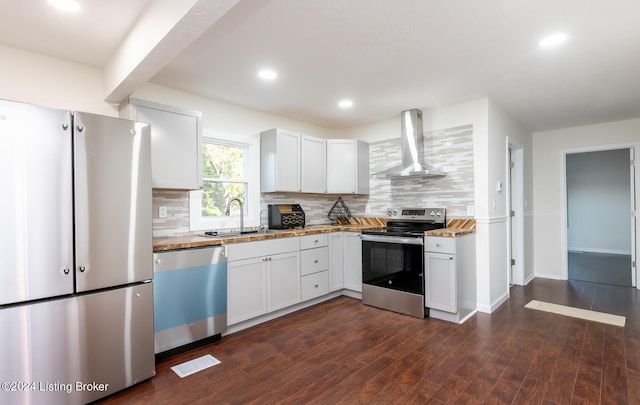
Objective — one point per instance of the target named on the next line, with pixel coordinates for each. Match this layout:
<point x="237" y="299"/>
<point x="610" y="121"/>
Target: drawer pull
<point x="315" y="286"/>
<point x="315" y="261"/>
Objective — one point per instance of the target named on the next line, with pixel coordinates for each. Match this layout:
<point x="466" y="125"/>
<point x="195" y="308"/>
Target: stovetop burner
<point x="412" y="222"/>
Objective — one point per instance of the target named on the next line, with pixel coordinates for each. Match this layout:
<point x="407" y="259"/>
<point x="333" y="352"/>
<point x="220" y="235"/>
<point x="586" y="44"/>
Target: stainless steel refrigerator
<point x="76" y="260"/>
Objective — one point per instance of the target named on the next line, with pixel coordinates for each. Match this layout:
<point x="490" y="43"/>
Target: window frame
<point x="198" y="222"/>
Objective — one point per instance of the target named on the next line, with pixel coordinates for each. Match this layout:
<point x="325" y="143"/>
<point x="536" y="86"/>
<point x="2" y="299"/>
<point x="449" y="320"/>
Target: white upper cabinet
<point x="347" y="166"/>
<point x="301" y="163"/>
<point x="314" y="165"/>
<point x="176" y="143"/>
<point x="279" y="161"/>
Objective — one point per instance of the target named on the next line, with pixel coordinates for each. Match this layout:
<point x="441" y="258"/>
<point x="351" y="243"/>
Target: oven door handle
<point x="392" y="239"/>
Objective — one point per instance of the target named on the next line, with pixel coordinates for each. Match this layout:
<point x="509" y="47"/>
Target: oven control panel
<point x="417" y="214"/>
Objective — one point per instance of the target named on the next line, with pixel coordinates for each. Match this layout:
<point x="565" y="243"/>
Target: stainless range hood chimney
<point x="413" y="164"/>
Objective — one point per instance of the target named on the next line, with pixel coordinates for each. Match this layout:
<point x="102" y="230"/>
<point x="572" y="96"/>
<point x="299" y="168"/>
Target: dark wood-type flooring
<point x="343" y="352"/>
<point x="600" y="268"/>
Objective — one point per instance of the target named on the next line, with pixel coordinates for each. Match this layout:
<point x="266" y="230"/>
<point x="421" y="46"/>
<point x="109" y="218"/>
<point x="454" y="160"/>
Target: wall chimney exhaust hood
<point x="412" y="141"/>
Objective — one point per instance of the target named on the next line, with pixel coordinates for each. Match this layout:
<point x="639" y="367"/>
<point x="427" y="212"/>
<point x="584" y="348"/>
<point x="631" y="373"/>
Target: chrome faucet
<point x="227" y="212"/>
<point x="263" y="227"/>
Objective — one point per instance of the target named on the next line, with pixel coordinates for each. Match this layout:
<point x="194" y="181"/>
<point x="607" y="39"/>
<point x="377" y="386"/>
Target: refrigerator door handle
<point x="81" y="191"/>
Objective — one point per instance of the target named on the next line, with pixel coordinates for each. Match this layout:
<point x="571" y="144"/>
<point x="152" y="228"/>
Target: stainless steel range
<point x="393" y="260"/>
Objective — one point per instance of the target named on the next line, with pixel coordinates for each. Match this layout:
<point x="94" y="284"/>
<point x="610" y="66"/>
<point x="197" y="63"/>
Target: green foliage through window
<point x="224" y="170"/>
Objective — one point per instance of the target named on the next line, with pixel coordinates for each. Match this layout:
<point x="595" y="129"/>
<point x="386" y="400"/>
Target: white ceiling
<point x="386" y="55"/>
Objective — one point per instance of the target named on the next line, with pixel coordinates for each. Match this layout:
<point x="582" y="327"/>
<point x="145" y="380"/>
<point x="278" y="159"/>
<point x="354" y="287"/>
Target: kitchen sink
<point x="235" y="234"/>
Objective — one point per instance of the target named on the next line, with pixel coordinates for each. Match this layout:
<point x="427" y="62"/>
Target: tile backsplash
<point x="449" y="150"/>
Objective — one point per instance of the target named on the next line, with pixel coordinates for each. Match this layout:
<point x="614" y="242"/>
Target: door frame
<point x="515" y="203"/>
<point x="634" y="195"/>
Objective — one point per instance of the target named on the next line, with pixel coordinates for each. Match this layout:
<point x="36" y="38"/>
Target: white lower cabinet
<point x="314" y="260"/>
<point x="440" y="281"/>
<point x="450" y="277"/>
<point x="314" y="285"/>
<point x="345" y="261"/>
<point x="336" y="261"/>
<point x="246" y="290"/>
<point x="283" y="280"/>
<point x="265" y="276"/>
<point x="353" y="261"/>
<point x="262" y="277"/>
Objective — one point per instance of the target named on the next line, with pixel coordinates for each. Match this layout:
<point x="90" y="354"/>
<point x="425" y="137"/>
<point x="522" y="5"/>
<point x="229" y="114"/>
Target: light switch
<point x="162" y="211"/>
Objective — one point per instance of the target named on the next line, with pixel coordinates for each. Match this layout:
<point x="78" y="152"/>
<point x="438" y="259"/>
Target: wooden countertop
<point x="450" y="232"/>
<point x="194" y="241"/>
<point x="455" y="227"/>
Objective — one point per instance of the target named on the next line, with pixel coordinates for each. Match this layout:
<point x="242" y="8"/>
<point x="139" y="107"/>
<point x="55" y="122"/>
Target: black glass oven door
<point x="397" y="266"/>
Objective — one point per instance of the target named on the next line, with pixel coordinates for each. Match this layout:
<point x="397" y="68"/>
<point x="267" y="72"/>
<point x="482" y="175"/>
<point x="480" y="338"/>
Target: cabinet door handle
<point x="450" y="257"/>
<point x="315" y="261"/>
<point x="315" y="286"/>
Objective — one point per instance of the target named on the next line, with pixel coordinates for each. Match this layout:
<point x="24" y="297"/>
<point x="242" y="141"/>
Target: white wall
<point x="548" y="155"/>
<point x="502" y="129"/>
<point x="37" y="79"/>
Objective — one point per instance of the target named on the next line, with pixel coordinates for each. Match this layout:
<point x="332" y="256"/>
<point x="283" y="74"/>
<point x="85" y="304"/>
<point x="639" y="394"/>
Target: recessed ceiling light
<point x="71" y="6"/>
<point x="553" y="40"/>
<point x="267" y="74"/>
<point x="345" y="104"/>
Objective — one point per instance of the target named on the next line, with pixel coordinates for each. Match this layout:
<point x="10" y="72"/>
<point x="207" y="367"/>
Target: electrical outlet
<point x="162" y="211"/>
<point x="471" y="210"/>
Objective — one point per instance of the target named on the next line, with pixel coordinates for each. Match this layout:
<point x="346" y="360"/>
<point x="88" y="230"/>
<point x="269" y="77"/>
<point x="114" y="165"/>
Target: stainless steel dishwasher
<point x="189" y="296"/>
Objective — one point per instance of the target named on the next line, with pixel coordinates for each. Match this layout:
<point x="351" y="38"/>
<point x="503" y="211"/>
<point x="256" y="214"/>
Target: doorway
<point x="600" y="225"/>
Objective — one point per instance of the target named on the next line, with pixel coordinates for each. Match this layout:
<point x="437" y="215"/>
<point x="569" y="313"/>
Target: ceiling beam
<point x="164" y="30"/>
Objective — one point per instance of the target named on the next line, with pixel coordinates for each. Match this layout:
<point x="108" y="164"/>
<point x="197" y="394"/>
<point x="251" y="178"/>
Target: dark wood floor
<point x="600" y="268"/>
<point x="345" y="352"/>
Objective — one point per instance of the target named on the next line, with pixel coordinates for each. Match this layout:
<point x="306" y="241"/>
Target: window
<point x="224" y="168"/>
<point x="230" y="169"/>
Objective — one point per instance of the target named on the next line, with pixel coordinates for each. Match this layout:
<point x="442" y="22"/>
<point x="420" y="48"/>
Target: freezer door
<point x="116" y="338"/>
<point x="36" y="210"/>
<point x="39" y="351"/>
<point x="113" y="202"/>
<point x="77" y="350"/>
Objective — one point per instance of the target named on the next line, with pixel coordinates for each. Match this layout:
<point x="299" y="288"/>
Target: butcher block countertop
<point x="455" y="227"/>
<point x="194" y="241"/>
